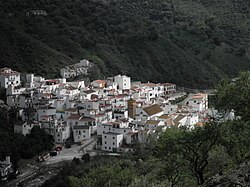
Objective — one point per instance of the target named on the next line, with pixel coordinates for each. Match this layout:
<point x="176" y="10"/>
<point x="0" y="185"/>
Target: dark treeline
<point x="18" y="146"/>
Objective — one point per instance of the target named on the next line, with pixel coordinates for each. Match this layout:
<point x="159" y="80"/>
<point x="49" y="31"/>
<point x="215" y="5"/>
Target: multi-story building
<point x="123" y="82"/>
<point x="81" y="132"/>
<point x="198" y="102"/>
<point x="111" y="141"/>
<point x="24" y="127"/>
<point x="8" y="77"/>
<point x="74" y="70"/>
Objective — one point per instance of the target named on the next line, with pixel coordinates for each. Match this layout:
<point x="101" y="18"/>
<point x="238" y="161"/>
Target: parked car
<point x="53" y="153"/>
<point x="43" y="157"/>
<point x="58" y="148"/>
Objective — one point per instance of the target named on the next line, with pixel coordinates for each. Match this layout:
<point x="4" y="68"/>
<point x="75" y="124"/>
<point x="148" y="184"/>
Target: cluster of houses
<point x="120" y="112"/>
<point x="75" y="70"/>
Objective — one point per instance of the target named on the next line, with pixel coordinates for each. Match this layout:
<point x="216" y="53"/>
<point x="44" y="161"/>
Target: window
<point x="113" y="143"/>
<point x="124" y="130"/>
<point x="58" y="140"/>
<point x="84" y="131"/>
<point x="105" y="137"/>
<point x="105" y="142"/>
<point x="109" y="147"/>
<point x="113" y="137"/>
<point x="105" y="147"/>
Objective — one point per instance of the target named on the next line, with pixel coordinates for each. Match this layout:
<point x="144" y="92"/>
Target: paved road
<point x="36" y="174"/>
<point x="75" y="151"/>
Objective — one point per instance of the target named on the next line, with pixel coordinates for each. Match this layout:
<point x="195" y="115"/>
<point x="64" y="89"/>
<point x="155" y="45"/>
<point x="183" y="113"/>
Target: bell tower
<point x="131" y="108"/>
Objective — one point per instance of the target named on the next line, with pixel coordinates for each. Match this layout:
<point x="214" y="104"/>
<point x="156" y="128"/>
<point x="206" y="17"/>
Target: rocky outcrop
<point x="239" y="177"/>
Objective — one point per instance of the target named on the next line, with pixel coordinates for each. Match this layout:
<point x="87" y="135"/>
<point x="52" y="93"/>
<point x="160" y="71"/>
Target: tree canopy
<point x="235" y="94"/>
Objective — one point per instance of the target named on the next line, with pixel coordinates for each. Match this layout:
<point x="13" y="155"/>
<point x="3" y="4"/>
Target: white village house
<point x="8" y="77"/>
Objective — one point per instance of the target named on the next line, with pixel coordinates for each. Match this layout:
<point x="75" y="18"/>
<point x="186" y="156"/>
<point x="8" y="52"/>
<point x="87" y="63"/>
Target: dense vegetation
<point x="179" y="158"/>
<point x="18" y="146"/>
<point x="188" y="42"/>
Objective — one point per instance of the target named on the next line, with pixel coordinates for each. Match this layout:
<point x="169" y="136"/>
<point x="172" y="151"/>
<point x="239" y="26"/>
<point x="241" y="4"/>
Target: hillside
<point x="189" y="42"/>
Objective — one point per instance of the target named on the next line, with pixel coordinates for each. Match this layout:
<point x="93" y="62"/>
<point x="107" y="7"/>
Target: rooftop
<point x="152" y="122"/>
<point x="153" y="109"/>
<point x="81" y="127"/>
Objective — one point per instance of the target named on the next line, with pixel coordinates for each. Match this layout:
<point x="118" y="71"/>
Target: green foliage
<point x="36" y="142"/>
<point x="235" y="95"/>
<point x="179" y="99"/>
<point x="116" y="173"/>
<point x="188" y="148"/>
<point x="236" y="140"/>
<point x="190" y="43"/>
<point x="3" y="94"/>
<point x="19" y="146"/>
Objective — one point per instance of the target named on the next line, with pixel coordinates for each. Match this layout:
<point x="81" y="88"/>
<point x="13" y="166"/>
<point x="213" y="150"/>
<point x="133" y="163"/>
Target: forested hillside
<point x="189" y="42"/>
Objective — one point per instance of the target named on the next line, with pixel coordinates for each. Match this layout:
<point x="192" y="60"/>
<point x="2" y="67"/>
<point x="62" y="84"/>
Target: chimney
<point x="8" y="159"/>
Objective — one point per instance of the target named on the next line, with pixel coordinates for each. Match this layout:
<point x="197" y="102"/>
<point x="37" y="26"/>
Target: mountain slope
<point x="189" y="42"/>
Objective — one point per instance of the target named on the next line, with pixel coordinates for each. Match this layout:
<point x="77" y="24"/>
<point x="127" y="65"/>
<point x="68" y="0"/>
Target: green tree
<point x="234" y="94"/>
<point x="191" y="147"/>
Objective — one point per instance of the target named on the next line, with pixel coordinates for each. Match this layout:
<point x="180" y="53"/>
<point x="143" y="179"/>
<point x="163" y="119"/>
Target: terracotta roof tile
<point x="153" y="109"/>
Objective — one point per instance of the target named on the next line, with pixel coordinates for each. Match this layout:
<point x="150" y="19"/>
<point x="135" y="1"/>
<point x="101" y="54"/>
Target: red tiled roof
<point x="100" y="81"/>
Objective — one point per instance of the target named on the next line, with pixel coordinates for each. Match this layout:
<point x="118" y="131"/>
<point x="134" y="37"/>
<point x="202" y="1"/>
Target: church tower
<point x="131" y="108"/>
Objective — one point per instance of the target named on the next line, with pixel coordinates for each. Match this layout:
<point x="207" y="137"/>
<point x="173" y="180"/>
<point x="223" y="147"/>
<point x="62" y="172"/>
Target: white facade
<point x="120" y="114"/>
<point x="9" y="77"/>
<point x="24" y="127"/>
<point x="81" y="132"/>
<point x="123" y="82"/>
<point x="169" y="108"/>
<point x="62" y="132"/>
<point x="74" y="70"/>
<point x="114" y="128"/>
<point x="111" y="141"/>
<point x="192" y="120"/>
<point x="198" y="102"/>
<point x="48" y="111"/>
